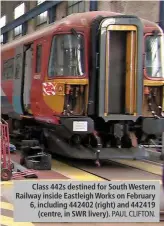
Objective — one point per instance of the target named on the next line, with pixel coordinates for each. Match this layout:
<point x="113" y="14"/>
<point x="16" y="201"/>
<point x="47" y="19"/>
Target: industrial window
<point x="8" y="69"/>
<point x="2" y="24"/>
<point x="76" y="7"/>
<point x="18" y="11"/>
<point x="67" y="56"/>
<point x="42" y="18"/>
<point x="38" y="58"/>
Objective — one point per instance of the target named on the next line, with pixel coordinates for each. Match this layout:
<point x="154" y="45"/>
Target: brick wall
<point x="145" y="9"/>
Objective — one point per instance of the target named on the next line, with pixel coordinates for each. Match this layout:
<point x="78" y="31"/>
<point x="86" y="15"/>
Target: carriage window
<point x="153" y="56"/>
<point x="38" y="58"/>
<point x="18" y="66"/>
<point x="67" y="56"/>
<point x="8" y="69"/>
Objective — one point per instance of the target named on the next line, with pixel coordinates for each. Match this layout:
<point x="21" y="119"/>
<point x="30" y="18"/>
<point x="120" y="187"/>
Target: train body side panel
<point x="38" y="105"/>
<point x="6" y="97"/>
<point x="7" y="82"/>
<point x="17" y="80"/>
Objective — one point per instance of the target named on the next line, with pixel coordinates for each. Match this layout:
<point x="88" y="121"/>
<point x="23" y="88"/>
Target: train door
<point x="40" y="58"/>
<point x="18" y="81"/>
<point x="121" y="72"/>
<point x="28" y="56"/>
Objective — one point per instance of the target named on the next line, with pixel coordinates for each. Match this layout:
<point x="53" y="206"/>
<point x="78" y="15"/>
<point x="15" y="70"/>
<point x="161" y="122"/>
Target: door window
<point x="67" y="56"/>
<point x="38" y="58"/>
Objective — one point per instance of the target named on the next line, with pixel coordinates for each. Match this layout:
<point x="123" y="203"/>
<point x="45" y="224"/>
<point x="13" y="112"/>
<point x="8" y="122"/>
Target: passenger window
<point x="38" y="58"/>
<point x="18" y="68"/>
<point x="8" y="69"/>
<point x="153" y="50"/>
<point x="67" y="56"/>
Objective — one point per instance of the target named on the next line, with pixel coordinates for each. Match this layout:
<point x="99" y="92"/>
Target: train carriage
<point x="81" y="82"/>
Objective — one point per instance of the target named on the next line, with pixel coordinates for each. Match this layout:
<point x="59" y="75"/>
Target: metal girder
<point x="24" y="28"/>
<point x="161" y="14"/>
<point x="29" y="15"/>
<point x="5" y="38"/>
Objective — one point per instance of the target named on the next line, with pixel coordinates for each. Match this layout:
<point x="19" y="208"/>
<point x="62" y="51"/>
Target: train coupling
<point x="97" y="162"/>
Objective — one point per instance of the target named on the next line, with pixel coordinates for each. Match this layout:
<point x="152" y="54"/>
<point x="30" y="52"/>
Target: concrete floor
<point x="60" y="172"/>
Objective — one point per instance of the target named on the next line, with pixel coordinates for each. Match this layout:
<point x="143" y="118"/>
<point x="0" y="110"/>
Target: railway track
<point x="121" y="171"/>
<point x="144" y="166"/>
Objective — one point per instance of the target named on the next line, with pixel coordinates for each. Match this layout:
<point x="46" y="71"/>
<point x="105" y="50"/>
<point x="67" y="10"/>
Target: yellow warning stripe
<point x="6" y="183"/>
<point x="9" y="221"/>
<point x="160" y="182"/>
<point x="6" y="206"/>
<point x="148" y="167"/>
<point x="73" y="173"/>
<point x="77" y="174"/>
<point x="10" y="183"/>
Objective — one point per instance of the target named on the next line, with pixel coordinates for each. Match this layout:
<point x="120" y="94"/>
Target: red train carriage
<point x="78" y="84"/>
<point x="153" y="69"/>
<point x="153" y="99"/>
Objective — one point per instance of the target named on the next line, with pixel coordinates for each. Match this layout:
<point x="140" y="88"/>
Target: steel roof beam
<point x="29" y="15"/>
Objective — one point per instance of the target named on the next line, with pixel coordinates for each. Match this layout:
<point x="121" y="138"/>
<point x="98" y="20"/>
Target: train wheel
<point x="17" y="124"/>
<point x="126" y="142"/>
<point x="30" y="143"/>
<point x="6" y="174"/>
